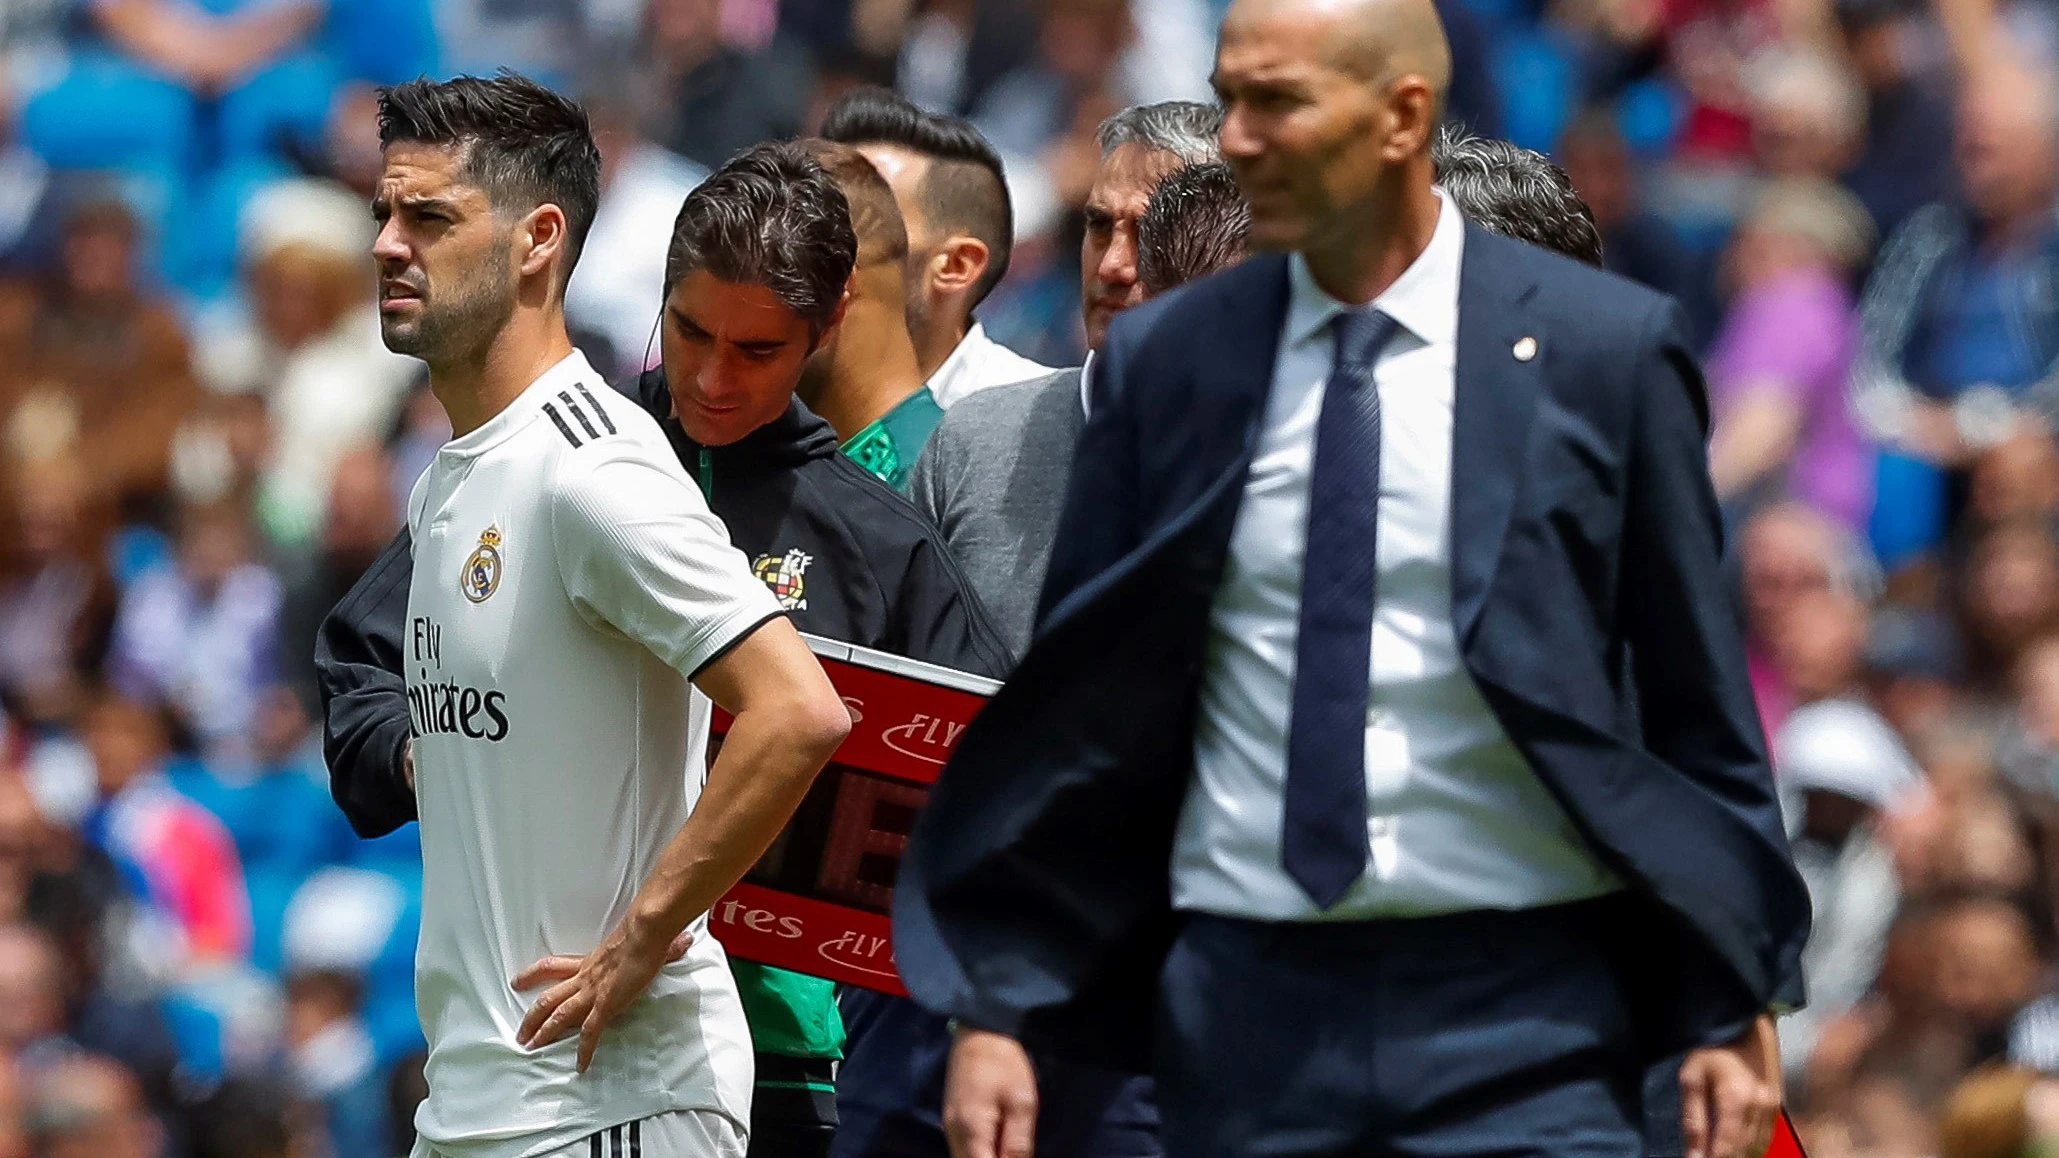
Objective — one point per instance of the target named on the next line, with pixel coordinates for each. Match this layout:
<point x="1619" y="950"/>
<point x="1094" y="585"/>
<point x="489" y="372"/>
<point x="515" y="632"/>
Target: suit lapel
<point x="1251" y="305"/>
<point x="1497" y="390"/>
<point x="1231" y="378"/>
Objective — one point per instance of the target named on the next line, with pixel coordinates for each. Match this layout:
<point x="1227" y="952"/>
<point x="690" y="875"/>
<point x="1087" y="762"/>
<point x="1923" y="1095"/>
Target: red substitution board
<point x="818" y="901"/>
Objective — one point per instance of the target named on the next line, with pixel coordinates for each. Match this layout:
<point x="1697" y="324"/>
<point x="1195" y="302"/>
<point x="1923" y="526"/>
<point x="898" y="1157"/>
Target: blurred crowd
<point x="204" y="443"/>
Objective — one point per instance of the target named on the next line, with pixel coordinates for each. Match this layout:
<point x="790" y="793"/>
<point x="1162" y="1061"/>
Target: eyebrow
<point x="415" y="201"/>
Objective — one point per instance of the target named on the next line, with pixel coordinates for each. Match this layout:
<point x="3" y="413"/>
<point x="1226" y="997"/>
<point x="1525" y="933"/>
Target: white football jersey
<point x="568" y="579"/>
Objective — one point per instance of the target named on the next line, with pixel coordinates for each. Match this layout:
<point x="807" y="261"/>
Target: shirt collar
<point x="964" y="360"/>
<point x="1424" y="299"/>
<point x="573" y="368"/>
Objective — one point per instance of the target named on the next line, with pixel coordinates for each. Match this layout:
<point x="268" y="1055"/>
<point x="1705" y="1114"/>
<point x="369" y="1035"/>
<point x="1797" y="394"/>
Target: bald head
<point x="1329" y="109"/>
<point x="1377" y="41"/>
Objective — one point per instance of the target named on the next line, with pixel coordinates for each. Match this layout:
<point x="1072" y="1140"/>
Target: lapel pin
<point x="1525" y="348"/>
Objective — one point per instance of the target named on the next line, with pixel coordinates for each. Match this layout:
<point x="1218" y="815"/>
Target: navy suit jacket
<point x="1590" y="607"/>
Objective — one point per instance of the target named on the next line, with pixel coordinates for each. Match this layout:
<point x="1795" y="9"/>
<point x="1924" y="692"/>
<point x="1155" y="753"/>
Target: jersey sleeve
<point x="639" y="550"/>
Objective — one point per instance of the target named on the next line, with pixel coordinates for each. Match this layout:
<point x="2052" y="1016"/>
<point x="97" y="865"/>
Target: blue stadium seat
<point x="384" y="41"/>
<point x="106" y="113"/>
<point x="201" y="242"/>
<point x="1648" y="114"/>
<point x="1909" y="514"/>
<point x="288" y="100"/>
<point x="1535" y="77"/>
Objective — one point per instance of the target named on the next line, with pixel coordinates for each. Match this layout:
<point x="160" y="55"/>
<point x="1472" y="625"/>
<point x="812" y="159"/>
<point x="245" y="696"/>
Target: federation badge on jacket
<point x="481" y="576"/>
<point x="787" y="575"/>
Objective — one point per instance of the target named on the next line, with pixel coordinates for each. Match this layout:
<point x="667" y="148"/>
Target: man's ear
<point x="545" y="236"/>
<point x="1412" y="118"/>
<point x="959" y="264"/>
<point x="836" y="316"/>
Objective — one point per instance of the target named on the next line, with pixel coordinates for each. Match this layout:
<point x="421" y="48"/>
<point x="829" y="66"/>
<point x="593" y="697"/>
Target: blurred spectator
<point x="1808" y="114"/>
<point x="333" y="1061"/>
<point x="363" y="514"/>
<point x="706" y="100"/>
<point x="32" y="991"/>
<point x="1960" y="335"/>
<point x="2028" y="755"/>
<point x="1889" y="1110"/>
<point x="348" y="152"/>
<point x="1077" y="49"/>
<point x="2010" y="600"/>
<point x="311" y="345"/>
<point x="200" y="634"/>
<point x="1777" y="369"/>
<point x="221" y="453"/>
<point x="55" y="599"/>
<point x="276" y="809"/>
<point x="206" y="52"/>
<point x="1988" y="970"/>
<point x="86" y="1106"/>
<point x="1634" y="242"/>
<point x="1914" y="671"/>
<point x="1840" y="768"/>
<point x="405" y="1092"/>
<point x="1989" y="1114"/>
<point x="621" y="271"/>
<point x="362" y="924"/>
<point x="1907" y="120"/>
<point x="257" y="1117"/>
<point x="2015" y="480"/>
<point x="1790" y="552"/>
<point x="423" y="429"/>
<point x="32" y="194"/>
<point x="14" y="1133"/>
<point x="175" y="857"/>
<point x="90" y="359"/>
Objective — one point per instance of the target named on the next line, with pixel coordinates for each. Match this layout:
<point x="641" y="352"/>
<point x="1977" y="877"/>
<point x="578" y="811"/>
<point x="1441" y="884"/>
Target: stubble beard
<point x="457" y="327"/>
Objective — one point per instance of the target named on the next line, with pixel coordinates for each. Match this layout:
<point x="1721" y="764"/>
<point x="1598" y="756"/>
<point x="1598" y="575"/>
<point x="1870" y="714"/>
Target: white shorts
<point x="685" y="1134"/>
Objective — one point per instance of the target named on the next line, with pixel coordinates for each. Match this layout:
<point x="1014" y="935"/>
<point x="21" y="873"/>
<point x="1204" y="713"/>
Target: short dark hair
<point x="875" y="216"/>
<point x="1197" y="222"/>
<point x="965" y="190"/>
<point x="770" y="216"/>
<point x="522" y="143"/>
<point x="1516" y="192"/>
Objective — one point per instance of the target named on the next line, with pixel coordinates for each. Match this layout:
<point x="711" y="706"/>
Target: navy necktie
<point x="1323" y="843"/>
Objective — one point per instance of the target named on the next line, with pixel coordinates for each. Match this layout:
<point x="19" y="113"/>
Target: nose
<point x="714" y="378"/>
<point x="389" y="247"/>
<point x="1119" y="261"/>
<point x="1237" y="140"/>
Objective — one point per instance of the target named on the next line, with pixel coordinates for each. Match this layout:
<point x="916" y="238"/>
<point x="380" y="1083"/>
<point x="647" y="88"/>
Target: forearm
<point x="768" y="760"/>
<point x="1757" y="438"/>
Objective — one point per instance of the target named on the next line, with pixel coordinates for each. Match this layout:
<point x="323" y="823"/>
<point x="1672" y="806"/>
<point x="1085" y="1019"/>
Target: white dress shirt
<point x="980" y="363"/>
<point x="1456" y="819"/>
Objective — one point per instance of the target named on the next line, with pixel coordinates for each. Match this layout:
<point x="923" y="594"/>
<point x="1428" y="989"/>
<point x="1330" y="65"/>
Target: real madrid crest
<point x="787" y="576"/>
<point x="481" y="576"/>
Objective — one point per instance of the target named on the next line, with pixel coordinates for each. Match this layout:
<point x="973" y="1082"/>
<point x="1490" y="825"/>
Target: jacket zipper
<point x="707" y="473"/>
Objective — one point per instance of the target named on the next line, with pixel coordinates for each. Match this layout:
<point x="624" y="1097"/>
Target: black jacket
<point x="851" y="560"/>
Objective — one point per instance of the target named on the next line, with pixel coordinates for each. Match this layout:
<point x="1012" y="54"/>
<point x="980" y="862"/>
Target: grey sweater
<point x="993" y="479"/>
